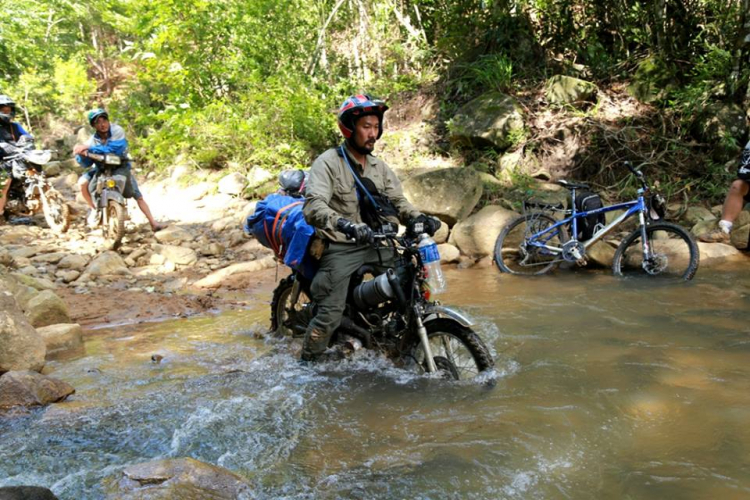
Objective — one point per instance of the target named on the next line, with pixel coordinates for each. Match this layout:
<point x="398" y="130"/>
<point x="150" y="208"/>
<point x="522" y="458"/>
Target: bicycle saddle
<point x="571" y="185"/>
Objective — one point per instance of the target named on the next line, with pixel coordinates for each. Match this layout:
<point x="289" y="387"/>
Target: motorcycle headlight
<point x="110" y="183"/>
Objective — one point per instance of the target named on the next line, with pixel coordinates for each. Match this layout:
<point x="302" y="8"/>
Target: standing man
<point x="10" y="132"/>
<point x="738" y="195"/>
<point x="343" y="218"/>
<point x="108" y="138"/>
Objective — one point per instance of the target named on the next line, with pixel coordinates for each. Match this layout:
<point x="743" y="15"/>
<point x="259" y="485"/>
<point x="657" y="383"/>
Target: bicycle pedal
<point x="582" y="262"/>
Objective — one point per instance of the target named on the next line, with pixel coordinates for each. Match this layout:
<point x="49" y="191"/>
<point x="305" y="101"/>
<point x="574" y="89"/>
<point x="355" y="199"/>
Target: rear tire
<point x="115" y="229"/>
<point x="676" y="254"/>
<point x="56" y="211"/>
<point x="458" y="351"/>
<point x="513" y="256"/>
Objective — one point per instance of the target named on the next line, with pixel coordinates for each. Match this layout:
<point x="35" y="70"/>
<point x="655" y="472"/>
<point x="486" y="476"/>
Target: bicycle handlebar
<point x="639" y="175"/>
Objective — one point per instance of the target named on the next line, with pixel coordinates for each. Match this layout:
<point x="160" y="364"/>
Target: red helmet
<point x="358" y="106"/>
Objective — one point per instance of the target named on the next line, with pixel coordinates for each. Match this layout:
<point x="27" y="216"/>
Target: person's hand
<point x="423" y="224"/>
<point x="79" y="149"/>
<point x="361" y="233"/>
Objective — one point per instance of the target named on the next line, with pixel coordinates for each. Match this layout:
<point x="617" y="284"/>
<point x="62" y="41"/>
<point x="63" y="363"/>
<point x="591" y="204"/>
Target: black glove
<point x="361" y="233"/>
<point x="423" y="224"/>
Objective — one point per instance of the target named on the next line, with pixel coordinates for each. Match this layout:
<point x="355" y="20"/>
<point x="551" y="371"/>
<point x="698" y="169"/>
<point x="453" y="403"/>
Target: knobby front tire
<point x="675" y="252"/>
<point x="512" y="256"/>
<point x="459" y="353"/>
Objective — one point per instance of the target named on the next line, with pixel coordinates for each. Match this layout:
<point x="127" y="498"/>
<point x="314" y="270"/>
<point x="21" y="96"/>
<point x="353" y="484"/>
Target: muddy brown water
<point x="604" y="388"/>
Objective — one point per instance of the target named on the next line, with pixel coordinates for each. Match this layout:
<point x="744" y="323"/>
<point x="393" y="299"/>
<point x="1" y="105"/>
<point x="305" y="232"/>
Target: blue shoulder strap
<point x="359" y="182"/>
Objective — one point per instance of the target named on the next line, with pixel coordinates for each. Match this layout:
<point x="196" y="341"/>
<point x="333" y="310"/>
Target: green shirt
<point x="331" y="192"/>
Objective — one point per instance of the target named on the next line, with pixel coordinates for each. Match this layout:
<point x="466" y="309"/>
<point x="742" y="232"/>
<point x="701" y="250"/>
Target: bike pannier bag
<point x="586" y="201"/>
<point x="278" y="224"/>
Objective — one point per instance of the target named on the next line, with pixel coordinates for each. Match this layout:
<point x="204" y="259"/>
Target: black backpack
<point x="586" y="201"/>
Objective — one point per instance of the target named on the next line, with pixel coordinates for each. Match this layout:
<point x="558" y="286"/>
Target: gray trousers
<point x="330" y="286"/>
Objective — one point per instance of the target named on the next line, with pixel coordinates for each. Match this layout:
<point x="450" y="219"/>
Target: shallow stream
<point x="604" y="388"/>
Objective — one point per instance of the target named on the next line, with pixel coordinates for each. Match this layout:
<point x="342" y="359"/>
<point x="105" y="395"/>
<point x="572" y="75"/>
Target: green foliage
<point x="489" y="72"/>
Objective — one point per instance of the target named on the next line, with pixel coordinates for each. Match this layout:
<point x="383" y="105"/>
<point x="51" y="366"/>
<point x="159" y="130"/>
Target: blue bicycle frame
<point x="541" y="239"/>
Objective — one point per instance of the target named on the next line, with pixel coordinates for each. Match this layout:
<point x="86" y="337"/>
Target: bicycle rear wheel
<point x="514" y="255"/>
<point x="674" y="253"/>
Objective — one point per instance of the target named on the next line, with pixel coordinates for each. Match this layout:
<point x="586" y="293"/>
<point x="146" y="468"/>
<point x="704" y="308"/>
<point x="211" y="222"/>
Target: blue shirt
<point x="115" y="144"/>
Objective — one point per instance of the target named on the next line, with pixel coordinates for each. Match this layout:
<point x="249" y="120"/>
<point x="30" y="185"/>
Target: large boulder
<point x="716" y="254"/>
<point x="450" y="194"/>
<point x="215" y="279"/>
<point x="29" y="388"/>
<point x="493" y="119"/>
<point x="179" y="478"/>
<point x="47" y="309"/>
<point x="448" y="253"/>
<point x="21" y="347"/>
<point x="476" y="235"/>
<point x="36" y="283"/>
<point x="181" y="256"/>
<point x="740" y="236"/>
<point x="561" y="89"/>
<point x="61" y="337"/>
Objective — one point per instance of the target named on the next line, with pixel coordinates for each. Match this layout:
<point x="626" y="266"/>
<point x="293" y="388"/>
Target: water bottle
<point x="431" y="259"/>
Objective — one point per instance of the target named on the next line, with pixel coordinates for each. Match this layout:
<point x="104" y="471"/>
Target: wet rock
<point x="26" y="493"/>
<point x="740" y="236"/>
<point x="179" y="478"/>
<point x="181" y="256"/>
<point x="476" y="235"/>
<point x="29" y="388"/>
<point x="61" y="337"/>
<point x="232" y="184"/>
<point x="73" y="261"/>
<point x="215" y="279"/>
<point x="713" y="254"/>
<point x="173" y="234"/>
<point x="448" y="253"/>
<point x="704" y="226"/>
<point x="47" y="309"/>
<point x="48" y="258"/>
<point x="601" y="254"/>
<point x="21" y="346"/>
<point x="450" y="194"/>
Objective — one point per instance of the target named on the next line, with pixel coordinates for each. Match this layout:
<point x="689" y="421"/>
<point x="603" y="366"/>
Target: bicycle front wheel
<point x="514" y="255"/>
<point x="673" y="253"/>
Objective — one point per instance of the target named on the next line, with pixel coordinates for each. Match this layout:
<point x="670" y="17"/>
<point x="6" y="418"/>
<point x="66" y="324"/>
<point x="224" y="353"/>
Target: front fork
<point x="422" y="332"/>
<point x="644" y="239"/>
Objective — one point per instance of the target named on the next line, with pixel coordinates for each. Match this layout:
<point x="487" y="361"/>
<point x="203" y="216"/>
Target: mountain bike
<point x="547" y="235"/>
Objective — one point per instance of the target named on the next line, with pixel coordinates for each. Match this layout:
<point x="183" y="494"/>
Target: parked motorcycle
<point x="107" y="189"/>
<point x="390" y="313"/>
<point x="30" y="191"/>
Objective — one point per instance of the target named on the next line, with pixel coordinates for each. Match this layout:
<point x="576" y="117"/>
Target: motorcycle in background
<point x="107" y="190"/>
<point x="30" y="191"/>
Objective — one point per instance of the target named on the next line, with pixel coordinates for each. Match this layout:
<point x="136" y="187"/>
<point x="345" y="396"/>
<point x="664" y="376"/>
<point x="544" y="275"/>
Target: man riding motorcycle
<point x="108" y="138"/>
<point x="10" y="132"/>
<point x="343" y="211"/>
